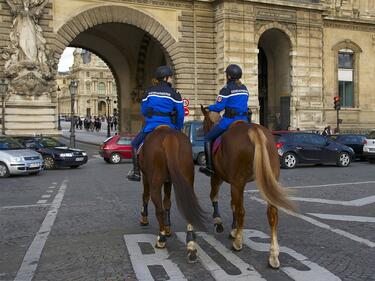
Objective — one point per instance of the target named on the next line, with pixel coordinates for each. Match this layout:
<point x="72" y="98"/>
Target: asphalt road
<point x="83" y="224"/>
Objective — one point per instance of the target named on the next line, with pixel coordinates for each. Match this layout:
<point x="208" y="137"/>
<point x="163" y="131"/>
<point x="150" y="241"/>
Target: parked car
<point x="15" y="159"/>
<point x="369" y="147"/>
<point x="194" y="130"/>
<point x="354" y="141"/>
<point x="309" y="148"/>
<point x="116" y="148"/>
<point x="55" y="153"/>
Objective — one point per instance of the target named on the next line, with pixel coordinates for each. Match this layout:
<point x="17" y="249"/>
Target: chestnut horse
<point x="166" y="159"/>
<point x="247" y="152"/>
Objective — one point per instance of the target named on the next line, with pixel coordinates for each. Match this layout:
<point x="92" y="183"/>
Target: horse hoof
<point x="232" y="234"/>
<point x="218" y="228"/>
<point x="274" y="262"/>
<point x="168" y="231"/>
<point x="160" y="245"/>
<point x="237" y="246"/>
<point x="192" y="256"/>
<point x="144" y="221"/>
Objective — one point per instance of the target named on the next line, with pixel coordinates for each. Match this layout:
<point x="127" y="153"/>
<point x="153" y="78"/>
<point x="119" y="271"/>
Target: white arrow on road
<point x="357" y="203"/>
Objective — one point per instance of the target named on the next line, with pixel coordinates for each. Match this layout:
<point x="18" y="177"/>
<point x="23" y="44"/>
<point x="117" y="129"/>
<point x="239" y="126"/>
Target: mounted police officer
<point x="233" y="98"/>
<point x="161" y="105"/>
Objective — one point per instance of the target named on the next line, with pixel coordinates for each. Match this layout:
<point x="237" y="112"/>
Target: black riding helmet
<point x="163" y="71"/>
<point x="234" y="71"/>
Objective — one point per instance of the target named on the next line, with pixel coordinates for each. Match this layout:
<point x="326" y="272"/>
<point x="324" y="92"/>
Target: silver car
<point x="16" y="159"/>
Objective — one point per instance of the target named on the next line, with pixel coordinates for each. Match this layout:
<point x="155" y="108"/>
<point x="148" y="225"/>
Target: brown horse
<point x="166" y="159"/>
<point x="247" y="153"/>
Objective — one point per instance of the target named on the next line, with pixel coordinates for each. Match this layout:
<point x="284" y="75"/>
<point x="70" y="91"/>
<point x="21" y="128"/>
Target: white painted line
<point x="248" y="272"/>
<point x="357" y="203"/>
<point x="50" y="191"/>
<point x="46" y="196"/>
<point x="30" y="261"/>
<point x="52" y="187"/>
<point x="42" y="201"/>
<point x="343" y="217"/>
<point x="316" y="272"/>
<point x="323" y="225"/>
<point x="54" y="183"/>
<point x="23" y="206"/>
<point x="319" y="185"/>
<point x="140" y="262"/>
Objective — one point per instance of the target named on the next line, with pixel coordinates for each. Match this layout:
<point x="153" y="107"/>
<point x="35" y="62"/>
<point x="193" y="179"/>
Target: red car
<point x="116" y="148"/>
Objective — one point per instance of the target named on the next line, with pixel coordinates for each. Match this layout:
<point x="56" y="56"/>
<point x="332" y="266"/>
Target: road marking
<point x="319" y="185"/>
<point x="323" y="225"/>
<point x="42" y="201"/>
<point x="357" y="203"/>
<point x="50" y="191"/>
<point x="30" y="261"/>
<point x="316" y="272"/>
<point x="141" y="261"/>
<point x="46" y="196"/>
<point x="343" y="217"/>
<point x="52" y="187"/>
<point x="23" y="206"/>
<point x="247" y="271"/>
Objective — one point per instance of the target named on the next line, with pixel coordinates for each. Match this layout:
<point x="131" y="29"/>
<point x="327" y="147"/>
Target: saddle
<point x="158" y="127"/>
<point x="217" y="142"/>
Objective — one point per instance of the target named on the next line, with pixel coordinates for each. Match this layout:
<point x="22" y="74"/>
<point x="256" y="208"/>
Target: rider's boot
<point x="135" y="174"/>
<point x="209" y="169"/>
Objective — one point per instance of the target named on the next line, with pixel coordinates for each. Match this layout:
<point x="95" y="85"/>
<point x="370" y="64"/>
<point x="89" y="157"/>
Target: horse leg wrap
<point x="145" y="210"/>
<point x="191" y="246"/>
<point x="167" y="217"/>
<point x="190" y="237"/>
<point x="162" y="238"/>
<point x="216" y="209"/>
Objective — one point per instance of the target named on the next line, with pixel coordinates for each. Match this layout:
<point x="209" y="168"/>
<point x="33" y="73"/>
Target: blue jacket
<point x="234" y="97"/>
<point x="162" y="98"/>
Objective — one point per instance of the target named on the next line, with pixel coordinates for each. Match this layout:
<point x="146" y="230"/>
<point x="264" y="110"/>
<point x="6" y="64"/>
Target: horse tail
<point x="187" y="202"/>
<point x="265" y="176"/>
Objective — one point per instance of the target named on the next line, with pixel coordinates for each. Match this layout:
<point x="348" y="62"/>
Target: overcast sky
<point x="66" y="60"/>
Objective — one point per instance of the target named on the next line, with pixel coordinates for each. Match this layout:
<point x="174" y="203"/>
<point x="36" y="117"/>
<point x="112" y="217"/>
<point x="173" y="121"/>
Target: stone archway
<point x="103" y="31"/>
<point x="274" y="77"/>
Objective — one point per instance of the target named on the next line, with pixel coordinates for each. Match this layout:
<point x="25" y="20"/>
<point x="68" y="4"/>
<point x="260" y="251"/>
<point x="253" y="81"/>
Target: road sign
<point x="186" y="111"/>
<point x="186" y="102"/>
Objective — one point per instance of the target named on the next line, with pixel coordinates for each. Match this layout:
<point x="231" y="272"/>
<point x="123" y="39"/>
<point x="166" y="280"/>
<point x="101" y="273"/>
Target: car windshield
<point x="371" y="135"/>
<point x="9" y="144"/>
<point x="50" y="142"/>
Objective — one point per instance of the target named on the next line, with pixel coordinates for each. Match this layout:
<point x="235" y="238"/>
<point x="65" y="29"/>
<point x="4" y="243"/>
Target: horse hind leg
<point x="167" y="208"/>
<point x="159" y="210"/>
<point x="273" y="219"/>
<point x="146" y="198"/>
<point x="239" y="215"/>
<point x="191" y="246"/>
<point x="214" y="195"/>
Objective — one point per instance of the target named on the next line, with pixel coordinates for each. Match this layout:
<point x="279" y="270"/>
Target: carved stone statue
<point x="27" y="63"/>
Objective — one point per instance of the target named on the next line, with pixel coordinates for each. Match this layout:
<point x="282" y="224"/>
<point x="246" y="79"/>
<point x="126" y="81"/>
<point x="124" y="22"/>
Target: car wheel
<point x="372" y="161"/>
<point x="343" y="160"/>
<point x="74" y="166"/>
<point x="201" y="159"/>
<point x="289" y="160"/>
<point x="4" y="172"/>
<point x="115" y="158"/>
<point x="49" y="163"/>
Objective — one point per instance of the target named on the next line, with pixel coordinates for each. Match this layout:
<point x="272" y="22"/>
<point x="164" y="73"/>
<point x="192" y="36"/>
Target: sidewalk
<point x="95" y="138"/>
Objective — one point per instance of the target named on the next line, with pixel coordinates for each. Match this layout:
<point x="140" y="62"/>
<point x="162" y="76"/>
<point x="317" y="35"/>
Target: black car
<point x="354" y="141"/>
<point x="310" y="148"/>
<point x="55" y="153"/>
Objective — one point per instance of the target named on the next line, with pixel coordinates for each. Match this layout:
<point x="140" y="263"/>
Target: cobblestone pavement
<point x="83" y="224"/>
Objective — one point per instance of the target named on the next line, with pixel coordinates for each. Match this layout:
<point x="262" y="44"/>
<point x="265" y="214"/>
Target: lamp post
<point x="73" y="91"/>
<point x="58" y="109"/>
<point x="108" y="99"/>
<point x="3" y="92"/>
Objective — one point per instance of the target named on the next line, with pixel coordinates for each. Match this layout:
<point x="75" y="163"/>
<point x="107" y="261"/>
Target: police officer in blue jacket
<point x="233" y="99"/>
<point x="161" y="105"/>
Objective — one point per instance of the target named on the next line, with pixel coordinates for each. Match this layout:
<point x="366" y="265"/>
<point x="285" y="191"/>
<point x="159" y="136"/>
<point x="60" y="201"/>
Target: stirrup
<point x="133" y="176"/>
<point x="207" y="171"/>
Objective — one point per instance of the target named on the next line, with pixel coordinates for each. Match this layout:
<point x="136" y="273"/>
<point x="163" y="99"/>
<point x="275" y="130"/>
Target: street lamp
<point x="3" y="92"/>
<point x="108" y="99"/>
<point x="73" y="91"/>
<point x="58" y="108"/>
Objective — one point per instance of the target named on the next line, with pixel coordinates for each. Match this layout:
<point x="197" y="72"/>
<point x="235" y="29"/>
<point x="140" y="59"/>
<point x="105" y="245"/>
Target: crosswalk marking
<point x="343" y="217"/>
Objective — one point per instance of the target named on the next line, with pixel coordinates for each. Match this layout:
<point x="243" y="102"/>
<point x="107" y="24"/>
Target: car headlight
<point x="66" y="155"/>
<point x="16" y="159"/>
<point x="84" y="153"/>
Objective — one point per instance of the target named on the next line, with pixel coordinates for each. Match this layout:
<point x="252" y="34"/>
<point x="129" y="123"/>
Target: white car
<point x="369" y="147"/>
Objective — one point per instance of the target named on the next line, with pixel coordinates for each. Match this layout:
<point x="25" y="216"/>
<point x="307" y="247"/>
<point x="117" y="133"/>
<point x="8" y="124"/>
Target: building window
<point x="101" y="74"/>
<point x="101" y="88"/>
<point x="114" y="89"/>
<point x="88" y="87"/>
<point x="346" y="77"/>
<point x="87" y="74"/>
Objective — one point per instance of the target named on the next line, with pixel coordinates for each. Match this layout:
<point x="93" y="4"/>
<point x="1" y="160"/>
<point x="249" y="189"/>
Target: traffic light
<point x="336" y="102"/>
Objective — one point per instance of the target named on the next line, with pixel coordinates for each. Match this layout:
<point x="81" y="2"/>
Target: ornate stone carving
<point x="28" y="64"/>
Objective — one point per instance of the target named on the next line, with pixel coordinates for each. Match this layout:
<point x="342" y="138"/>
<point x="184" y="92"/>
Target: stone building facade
<point x="96" y="93"/>
<point x="296" y="56"/>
